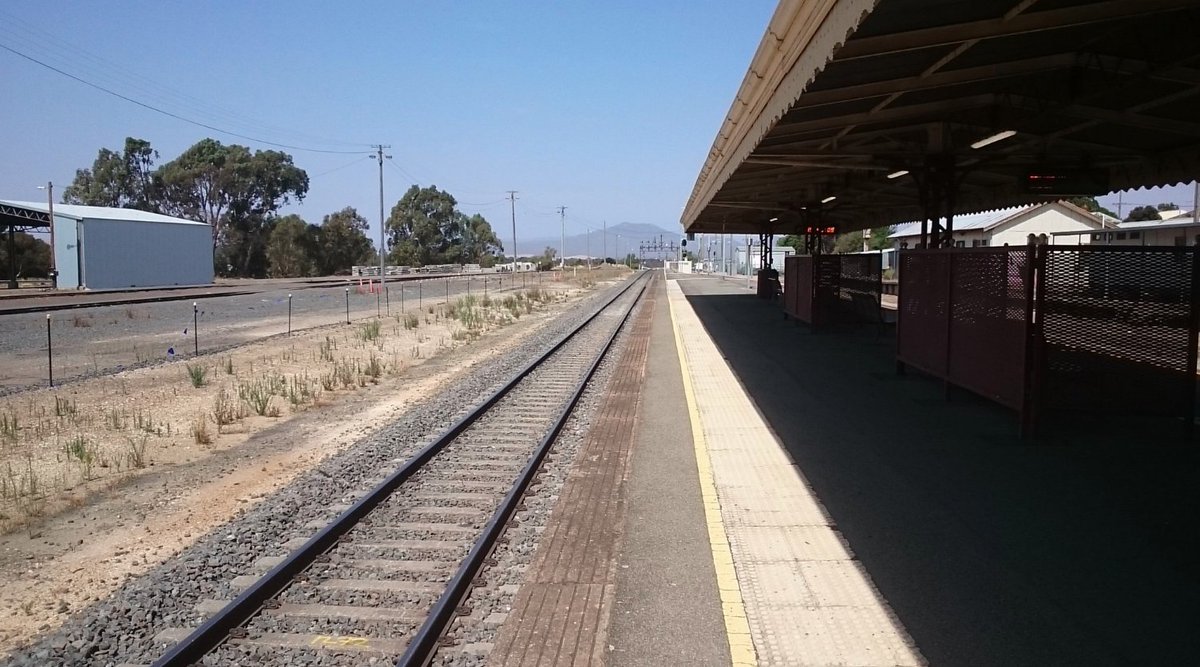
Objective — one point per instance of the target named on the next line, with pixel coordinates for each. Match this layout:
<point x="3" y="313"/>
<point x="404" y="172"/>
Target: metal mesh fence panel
<point x="988" y="329"/>
<point x="921" y="332"/>
<point x="827" y="273"/>
<point x="860" y="287"/>
<point x="1118" y="326"/>
<point x="799" y="287"/>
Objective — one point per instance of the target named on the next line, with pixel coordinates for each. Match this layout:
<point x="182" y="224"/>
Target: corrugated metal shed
<point x="97" y="247"/>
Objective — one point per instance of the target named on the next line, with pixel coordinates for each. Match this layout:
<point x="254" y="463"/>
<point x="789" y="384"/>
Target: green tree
<point x="121" y="180"/>
<point x="1090" y="205"/>
<point x="480" y="243"/>
<point x="237" y="192"/>
<point x="546" y="259"/>
<point x="289" y="250"/>
<point x="426" y="227"/>
<point x="342" y="242"/>
<point x="881" y="238"/>
<point x="1168" y="206"/>
<point x="423" y="228"/>
<point x="32" y="256"/>
<point x="1140" y="213"/>
<point x="794" y="241"/>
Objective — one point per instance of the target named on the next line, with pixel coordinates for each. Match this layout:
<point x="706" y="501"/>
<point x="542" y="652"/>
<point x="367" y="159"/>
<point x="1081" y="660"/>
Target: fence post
<point x="946" y="382"/>
<point x="196" y="328"/>
<point x="1193" y="335"/>
<point x="420" y="295"/>
<point x="447" y="290"/>
<point x="289" y="315"/>
<point x="49" y="351"/>
<point x="347" y="305"/>
<point x="485" y="288"/>
<point x="1035" y="293"/>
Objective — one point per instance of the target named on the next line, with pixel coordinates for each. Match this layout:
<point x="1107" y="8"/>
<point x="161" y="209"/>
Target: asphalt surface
<point x="1078" y="548"/>
<point x="667" y="609"/>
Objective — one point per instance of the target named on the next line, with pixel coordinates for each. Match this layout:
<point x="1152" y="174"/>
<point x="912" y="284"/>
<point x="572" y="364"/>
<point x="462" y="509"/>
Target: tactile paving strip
<point x="807" y="601"/>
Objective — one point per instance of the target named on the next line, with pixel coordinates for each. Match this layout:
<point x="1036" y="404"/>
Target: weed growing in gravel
<point x="80" y="449"/>
<point x="63" y="407"/>
<point x="327" y="349"/>
<point x="225" y="411"/>
<point x="369" y="331"/>
<point x="411" y="321"/>
<point x="10" y="430"/>
<point x="329" y="381"/>
<point x="373" y="369"/>
<point x="257" y="395"/>
<point x="135" y="449"/>
<point x="199" y="431"/>
<point x="198" y="374"/>
<point x="115" y="420"/>
<point x="144" y="421"/>
<point x="229" y="365"/>
<point x="81" y="321"/>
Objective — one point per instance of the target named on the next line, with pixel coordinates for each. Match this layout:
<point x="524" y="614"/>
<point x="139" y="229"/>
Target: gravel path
<point x="121" y="629"/>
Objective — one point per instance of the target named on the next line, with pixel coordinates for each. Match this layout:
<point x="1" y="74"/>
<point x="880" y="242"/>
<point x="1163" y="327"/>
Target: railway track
<point x="387" y="577"/>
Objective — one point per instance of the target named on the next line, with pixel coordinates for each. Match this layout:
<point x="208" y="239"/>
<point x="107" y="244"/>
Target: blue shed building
<point x="97" y="247"/>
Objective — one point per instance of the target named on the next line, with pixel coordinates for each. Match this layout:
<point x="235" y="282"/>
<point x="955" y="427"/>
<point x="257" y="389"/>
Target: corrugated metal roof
<point x="965" y="222"/>
<point x="1180" y="221"/>
<point x="101" y="212"/>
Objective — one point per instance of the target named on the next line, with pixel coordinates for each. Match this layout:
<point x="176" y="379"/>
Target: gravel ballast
<point x="121" y="628"/>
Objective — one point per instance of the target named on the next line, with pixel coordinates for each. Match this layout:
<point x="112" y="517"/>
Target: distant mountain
<point x="595" y="243"/>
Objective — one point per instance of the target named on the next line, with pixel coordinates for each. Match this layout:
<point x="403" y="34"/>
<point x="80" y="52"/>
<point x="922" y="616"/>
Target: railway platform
<point x="783" y="497"/>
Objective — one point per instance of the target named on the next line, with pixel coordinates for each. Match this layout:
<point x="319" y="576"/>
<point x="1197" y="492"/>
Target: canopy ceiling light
<point x="999" y="136"/>
<point x="773" y="220"/>
<point x="828" y="199"/>
<point x="898" y="173"/>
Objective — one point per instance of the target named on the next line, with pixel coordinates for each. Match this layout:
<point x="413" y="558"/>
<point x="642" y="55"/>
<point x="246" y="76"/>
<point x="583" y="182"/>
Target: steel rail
<point x="215" y="630"/>
<point x="423" y="645"/>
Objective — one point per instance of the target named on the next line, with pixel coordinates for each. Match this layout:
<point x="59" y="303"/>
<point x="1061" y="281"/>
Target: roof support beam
<point x="1025" y="23"/>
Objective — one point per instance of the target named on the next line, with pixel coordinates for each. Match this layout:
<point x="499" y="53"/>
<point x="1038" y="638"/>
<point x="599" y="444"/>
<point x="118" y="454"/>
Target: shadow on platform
<point x="1081" y="548"/>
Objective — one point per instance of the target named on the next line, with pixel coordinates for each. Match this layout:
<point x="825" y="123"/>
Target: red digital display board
<point x="822" y="230"/>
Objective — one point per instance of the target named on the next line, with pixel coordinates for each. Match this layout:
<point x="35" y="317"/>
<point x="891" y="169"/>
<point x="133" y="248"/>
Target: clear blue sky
<point x="607" y="108"/>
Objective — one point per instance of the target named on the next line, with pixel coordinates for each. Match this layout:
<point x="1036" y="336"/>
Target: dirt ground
<point x="106" y="478"/>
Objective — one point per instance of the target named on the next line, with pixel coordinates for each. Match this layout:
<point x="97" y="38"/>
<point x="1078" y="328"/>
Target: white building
<point x="1177" y="231"/>
<point x="1012" y="226"/>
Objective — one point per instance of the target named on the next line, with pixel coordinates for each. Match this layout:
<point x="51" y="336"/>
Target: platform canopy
<point x="871" y="101"/>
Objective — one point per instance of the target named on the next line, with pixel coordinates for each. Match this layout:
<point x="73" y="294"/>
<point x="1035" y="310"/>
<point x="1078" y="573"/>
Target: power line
<point x="98" y="69"/>
<point x="168" y="113"/>
<point x="348" y="164"/>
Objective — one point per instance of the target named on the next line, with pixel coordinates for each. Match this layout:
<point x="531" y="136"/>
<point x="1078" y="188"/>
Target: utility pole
<point x="562" y="242"/>
<point x="50" y="205"/>
<point x="382" y="244"/>
<point x="512" y="200"/>
<point x="604" y="242"/>
<point x="588" y="244"/>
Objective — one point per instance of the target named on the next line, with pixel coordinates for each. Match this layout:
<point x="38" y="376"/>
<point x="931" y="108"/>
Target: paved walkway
<point x="788" y="580"/>
<point x="789" y="500"/>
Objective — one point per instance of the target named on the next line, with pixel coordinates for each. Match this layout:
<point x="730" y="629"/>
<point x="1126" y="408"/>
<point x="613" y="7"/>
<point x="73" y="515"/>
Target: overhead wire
<point x="348" y="164"/>
<point x="34" y="41"/>
<point x="170" y="114"/>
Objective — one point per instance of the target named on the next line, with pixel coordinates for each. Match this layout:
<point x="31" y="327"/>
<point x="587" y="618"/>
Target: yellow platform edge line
<point x="737" y="630"/>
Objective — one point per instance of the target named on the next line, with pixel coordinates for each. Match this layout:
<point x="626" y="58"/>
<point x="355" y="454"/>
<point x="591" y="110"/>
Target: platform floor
<point x="867" y="520"/>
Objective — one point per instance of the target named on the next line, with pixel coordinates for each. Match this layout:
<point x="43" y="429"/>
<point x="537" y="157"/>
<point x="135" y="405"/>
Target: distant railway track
<point x="387" y="577"/>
